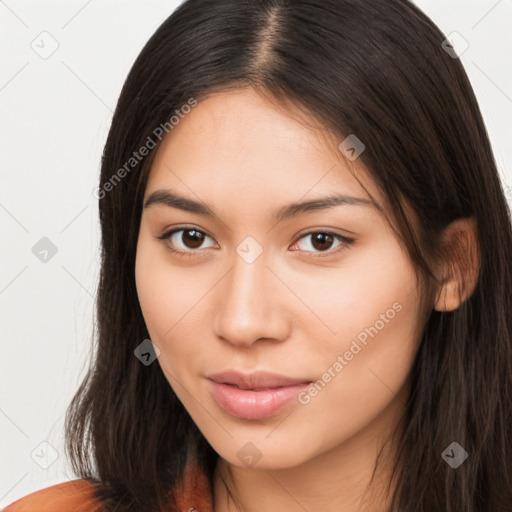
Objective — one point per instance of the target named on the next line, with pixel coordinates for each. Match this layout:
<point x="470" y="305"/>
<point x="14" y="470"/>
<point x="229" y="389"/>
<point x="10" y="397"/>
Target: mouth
<point x="251" y="389"/>
<point x="257" y="380"/>
<point x="256" y="395"/>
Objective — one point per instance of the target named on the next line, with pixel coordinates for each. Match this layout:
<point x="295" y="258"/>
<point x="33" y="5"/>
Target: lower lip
<point x="254" y="405"/>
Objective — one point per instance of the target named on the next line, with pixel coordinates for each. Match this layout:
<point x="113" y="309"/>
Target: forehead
<point x="237" y="142"/>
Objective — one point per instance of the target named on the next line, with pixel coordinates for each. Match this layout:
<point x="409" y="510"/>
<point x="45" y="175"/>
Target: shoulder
<point x="73" y="496"/>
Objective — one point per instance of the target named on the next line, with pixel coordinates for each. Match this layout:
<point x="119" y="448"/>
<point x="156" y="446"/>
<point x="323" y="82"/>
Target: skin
<point x="292" y="311"/>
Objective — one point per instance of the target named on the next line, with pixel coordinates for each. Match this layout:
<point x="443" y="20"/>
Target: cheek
<point x="358" y="295"/>
<point x="373" y="309"/>
<point x="366" y="377"/>
<point x="170" y="299"/>
<point x="154" y="291"/>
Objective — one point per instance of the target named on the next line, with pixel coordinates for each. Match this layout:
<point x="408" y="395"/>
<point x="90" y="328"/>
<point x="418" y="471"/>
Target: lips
<point x="254" y="395"/>
<point x="255" y="380"/>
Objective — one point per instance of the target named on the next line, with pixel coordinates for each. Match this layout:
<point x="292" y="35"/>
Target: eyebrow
<point x="174" y="200"/>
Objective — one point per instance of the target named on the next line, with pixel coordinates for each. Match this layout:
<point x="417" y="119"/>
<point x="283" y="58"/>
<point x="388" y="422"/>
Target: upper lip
<point x="256" y="379"/>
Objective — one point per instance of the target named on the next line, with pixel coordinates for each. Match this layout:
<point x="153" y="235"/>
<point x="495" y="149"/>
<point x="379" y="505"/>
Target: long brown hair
<point x="374" y="68"/>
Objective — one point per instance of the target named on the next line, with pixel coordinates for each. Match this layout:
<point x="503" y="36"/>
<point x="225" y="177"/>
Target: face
<point x="323" y="297"/>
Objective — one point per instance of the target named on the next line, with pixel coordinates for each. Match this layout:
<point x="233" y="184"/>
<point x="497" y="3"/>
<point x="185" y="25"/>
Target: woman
<point x="305" y="289"/>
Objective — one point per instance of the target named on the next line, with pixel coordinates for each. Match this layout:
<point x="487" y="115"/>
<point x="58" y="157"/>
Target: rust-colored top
<point x="193" y="495"/>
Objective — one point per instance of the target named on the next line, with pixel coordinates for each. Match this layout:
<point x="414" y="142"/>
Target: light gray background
<point x="55" y="114"/>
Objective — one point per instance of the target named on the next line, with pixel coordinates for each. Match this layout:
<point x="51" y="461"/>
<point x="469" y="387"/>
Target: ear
<point x="460" y="267"/>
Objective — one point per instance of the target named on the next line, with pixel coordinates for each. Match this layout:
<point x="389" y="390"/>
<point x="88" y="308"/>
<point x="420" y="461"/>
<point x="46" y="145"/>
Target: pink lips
<point x="254" y="395"/>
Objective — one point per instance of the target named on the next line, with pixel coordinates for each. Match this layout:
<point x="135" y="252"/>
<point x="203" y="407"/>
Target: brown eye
<point x="191" y="238"/>
<point x="185" y="241"/>
<point x="322" y="241"/>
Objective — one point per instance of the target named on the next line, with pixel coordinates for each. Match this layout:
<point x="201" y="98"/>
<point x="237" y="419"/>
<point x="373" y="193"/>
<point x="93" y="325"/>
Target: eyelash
<point x="193" y="252"/>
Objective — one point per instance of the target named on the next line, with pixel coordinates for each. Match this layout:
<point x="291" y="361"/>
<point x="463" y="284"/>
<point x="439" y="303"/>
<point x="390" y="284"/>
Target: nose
<point x="251" y="304"/>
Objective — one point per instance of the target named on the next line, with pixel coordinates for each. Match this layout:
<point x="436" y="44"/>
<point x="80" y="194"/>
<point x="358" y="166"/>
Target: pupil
<point x="194" y="241"/>
<point x="321" y="239"/>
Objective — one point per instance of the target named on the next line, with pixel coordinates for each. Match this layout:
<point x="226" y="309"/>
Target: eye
<point x="322" y="241"/>
<point x="187" y="243"/>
